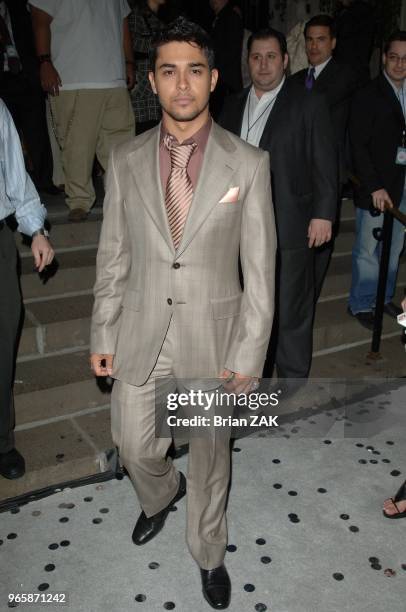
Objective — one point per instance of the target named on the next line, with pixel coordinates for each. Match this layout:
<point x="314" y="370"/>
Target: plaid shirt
<point x="143" y="25"/>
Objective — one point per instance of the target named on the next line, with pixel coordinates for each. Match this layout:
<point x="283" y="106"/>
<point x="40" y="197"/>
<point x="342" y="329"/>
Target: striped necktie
<point x="179" y="189"/>
<point x="310" y="78"/>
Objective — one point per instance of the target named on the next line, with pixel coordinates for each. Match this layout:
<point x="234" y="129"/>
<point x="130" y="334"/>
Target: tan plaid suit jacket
<point x="140" y="287"/>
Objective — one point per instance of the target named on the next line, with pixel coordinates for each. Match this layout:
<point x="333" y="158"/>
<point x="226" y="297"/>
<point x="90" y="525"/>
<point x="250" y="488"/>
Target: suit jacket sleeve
<point x="112" y="266"/>
<point x="323" y="158"/>
<point x="362" y="119"/>
<point x="257" y="251"/>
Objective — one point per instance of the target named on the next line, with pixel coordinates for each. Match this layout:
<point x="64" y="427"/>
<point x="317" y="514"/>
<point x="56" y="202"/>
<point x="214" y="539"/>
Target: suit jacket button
<point x="176" y="266"/>
<point x="169" y="301"/>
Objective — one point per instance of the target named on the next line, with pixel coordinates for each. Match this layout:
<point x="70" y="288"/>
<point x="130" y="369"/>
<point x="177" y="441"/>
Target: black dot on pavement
<point x="327" y="441"/>
<point x="173" y="509"/>
<point x="294" y="518"/>
<point x="276" y="460"/>
<point x="1" y="542"/>
<point x="249" y="587"/>
<point x="321" y="490"/>
<point x="373" y="560"/>
<point x="260" y="541"/>
<point x="104" y="510"/>
<point x="359" y="445"/>
<point x="266" y="560"/>
<point x="338" y="576"/>
<point x="231" y="548"/>
<point x="153" y="565"/>
<point x="363" y="461"/>
<point x="373" y="461"/>
<point x="260" y="607"/>
<point x="403" y="566"/>
<point x="169" y="605"/>
<point x="292" y="493"/>
<point x="53" y="546"/>
<point x="11" y="536"/>
<point x="60" y="456"/>
<point x="353" y="528"/>
<point x="88" y="499"/>
<point x="395" y="473"/>
<point x="376" y="566"/>
<point x="64" y="519"/>
<point x="65" y="543"/>
<point x="236" y="449"/>
<point x="50" y="567"/>
<point x="345" y="517"/>
<point x="390" y="443"/>
<point x="375" y="452"/>
<point x="43" y="586"/>
<point x="277" y="485"/>
<point x="140" y="597"/>
<point x="385" y="460"/>
<point x="97" y="521"/>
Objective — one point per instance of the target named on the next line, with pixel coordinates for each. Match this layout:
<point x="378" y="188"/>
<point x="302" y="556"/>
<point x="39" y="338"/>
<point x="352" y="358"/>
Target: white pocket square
<point x="231" y="196"/>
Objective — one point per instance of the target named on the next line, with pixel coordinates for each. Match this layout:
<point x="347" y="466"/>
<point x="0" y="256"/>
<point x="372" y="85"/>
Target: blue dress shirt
<point x="18" y="195"/>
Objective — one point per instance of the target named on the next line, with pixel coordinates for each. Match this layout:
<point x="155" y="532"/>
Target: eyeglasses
<point x="396" y="59"/>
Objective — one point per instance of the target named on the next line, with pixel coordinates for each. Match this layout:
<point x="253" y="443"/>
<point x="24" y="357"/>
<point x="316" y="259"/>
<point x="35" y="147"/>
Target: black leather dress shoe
<point x="12" y="464"/>
<point x="392" y="310"/>
<point x="147" y="528"/>
<point x="216" y="587"/>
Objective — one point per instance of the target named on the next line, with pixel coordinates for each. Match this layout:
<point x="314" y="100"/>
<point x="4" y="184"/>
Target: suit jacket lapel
<point x="219" y="165"/>
<point x="326" y="75"/>
<point x="388" y="91"/>
<point x="275" y="113"/>
<point x="141" y="162"/>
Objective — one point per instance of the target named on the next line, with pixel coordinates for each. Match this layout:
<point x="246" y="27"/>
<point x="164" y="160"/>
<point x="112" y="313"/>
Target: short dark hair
<point x="399" y="35"/>
<point x="268" y="33"/>
<point x="182" y="30"/>
<point x="322" y="20"/>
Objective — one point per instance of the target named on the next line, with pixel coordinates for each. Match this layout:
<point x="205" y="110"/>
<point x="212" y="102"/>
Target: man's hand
<point x="43" y="252"/>
<point x="50" y="79"/>
<point x="404" y="304"/>
<point x="238" y="383"/>
<point x="319" y="232"/>
<point x="130" y="69"/>
<point x="381" y="199"/>
<point x="102" y="365"/>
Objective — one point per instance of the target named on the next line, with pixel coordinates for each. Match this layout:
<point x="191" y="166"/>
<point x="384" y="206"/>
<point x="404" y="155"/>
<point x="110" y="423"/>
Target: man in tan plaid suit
<point x="168" y="301"/>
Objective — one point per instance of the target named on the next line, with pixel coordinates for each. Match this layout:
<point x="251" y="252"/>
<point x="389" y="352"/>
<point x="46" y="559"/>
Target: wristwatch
<point x="40" y="232"/>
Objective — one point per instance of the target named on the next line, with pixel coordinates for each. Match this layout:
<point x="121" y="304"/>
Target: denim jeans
<point x="366" y="257"/>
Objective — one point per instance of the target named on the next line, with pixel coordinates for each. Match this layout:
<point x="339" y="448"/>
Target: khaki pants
<point x="89" y="122"/>
<point x="155" y="478"/>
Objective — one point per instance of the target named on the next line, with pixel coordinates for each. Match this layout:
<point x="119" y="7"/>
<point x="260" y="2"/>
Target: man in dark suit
<point x="275" y="115"/>
<point x="337" y="82"/>
<point x="378" y="142"/>
<point x="20" y="88"/>
<point x="227" y="34"/>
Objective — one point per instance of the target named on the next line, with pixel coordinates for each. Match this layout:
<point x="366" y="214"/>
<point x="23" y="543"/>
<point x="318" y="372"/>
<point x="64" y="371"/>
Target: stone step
<point x="57" y="384"/>
<point x="75" y="272"/>
<point x="55" y="324"/>
<point x="60" y="451"/>
<point x="338" y="279"/>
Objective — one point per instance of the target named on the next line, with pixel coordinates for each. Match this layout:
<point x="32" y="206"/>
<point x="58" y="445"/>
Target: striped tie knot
<point x="180" y="153"/>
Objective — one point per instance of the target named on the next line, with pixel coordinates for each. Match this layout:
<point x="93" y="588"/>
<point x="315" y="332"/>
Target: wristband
<point x="40" y="232"/>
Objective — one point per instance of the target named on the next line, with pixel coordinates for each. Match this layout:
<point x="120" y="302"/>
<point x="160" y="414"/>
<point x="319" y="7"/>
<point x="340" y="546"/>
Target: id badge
<point x="401" y="156"/>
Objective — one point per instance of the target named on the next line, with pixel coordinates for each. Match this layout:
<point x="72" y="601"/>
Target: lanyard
<point x="249" y="127"/>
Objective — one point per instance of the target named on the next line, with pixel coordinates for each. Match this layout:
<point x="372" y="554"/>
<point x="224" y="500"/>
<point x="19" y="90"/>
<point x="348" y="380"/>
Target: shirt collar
<point x="200" y="137"/>
<point x="392" y="84"/>
<point x="268" y="95"/>
<point x="318" y="69"/>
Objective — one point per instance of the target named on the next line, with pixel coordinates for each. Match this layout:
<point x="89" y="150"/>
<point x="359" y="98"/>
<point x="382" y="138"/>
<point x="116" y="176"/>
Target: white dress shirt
<point x="17" y="192"/>
<point x="256" y="113"/>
